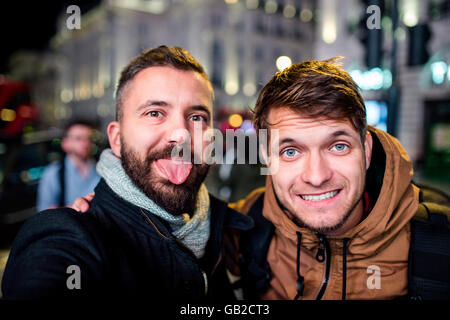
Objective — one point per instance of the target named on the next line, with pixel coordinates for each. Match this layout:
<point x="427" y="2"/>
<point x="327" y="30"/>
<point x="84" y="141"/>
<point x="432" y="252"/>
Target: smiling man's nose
<point x="316" y="170"/>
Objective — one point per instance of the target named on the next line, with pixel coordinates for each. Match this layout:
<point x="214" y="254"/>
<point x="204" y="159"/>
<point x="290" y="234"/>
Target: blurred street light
<point x="252" y="4"/>
<point x="271" y="6"/>
<point x="289" y="11"/>
<point x="231" y="88"/>
<point x="409" y="12"/>
<point x="283" y="62"/>
<point x="306" y="15"/>
<point x="66" y="95"/>
<point x="235" y="120"/>
<point x="249" y="89"/>
<point x="8" y="115"/>
<point x="438" y="70"/>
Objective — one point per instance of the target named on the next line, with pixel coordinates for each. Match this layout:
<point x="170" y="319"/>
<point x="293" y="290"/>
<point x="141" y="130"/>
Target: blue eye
<point x="340" y="147"/>
<point x="290" y="153"/>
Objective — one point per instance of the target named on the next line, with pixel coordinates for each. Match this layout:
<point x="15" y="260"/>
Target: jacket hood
<point x="388" y="182"/>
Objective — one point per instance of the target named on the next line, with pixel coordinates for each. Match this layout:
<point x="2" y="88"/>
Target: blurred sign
<point x="377" y="112"/>
<point x="437" y="139"/>
<point x="373" y="79"/>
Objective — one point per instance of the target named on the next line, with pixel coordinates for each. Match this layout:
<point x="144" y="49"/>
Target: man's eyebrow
<point x="202" y="108"/>
<point x="150" y="103"/>
<point x="160" y="103"/>
<point x="339" y="133"/>
<point x="286" y="140"/>
<point x="334" y="134"/>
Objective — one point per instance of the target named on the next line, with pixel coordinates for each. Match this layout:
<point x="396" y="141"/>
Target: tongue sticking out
<point x="174" y="170"/>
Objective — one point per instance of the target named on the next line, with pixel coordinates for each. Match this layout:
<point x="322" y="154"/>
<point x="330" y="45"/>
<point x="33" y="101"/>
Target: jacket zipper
<point x="217" y="263"/>
<point x="324" y="254"/>
<point x="205" y="277"/>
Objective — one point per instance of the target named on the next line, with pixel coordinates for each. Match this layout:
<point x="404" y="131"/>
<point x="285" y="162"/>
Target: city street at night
<point x="238" y="150"/>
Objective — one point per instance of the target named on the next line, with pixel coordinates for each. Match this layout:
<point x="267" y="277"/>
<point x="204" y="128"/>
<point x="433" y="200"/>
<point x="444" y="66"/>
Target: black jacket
<point x="121" y="251"/>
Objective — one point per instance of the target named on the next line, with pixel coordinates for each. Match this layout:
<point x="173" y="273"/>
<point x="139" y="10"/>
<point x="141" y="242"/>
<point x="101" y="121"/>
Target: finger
<point x="89" y="197"/>
<point x="83" y="204"/>
<point x="76" y="205"/>
<point x="84" y="207"/>
<point x="80" y="205"/>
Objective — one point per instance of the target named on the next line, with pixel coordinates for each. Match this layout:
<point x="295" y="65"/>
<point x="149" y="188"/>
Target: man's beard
<point x="175" y="199"/>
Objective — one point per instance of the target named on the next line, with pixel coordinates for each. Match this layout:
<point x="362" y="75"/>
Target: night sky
<point x="30" y="24"/>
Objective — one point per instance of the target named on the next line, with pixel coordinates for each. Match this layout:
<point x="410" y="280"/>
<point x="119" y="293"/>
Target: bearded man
<point x="153" y="230"/>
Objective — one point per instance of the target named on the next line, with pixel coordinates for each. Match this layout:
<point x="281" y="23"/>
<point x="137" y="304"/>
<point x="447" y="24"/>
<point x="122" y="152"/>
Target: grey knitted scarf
<point x="192" y="231"/>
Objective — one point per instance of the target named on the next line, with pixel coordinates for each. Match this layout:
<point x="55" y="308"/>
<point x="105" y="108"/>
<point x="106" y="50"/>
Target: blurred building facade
<point x="231" y="39"/>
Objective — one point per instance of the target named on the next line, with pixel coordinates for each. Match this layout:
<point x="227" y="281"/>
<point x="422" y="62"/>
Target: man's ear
<point x="368" y="148"/>
<point x="114" y="137"/>
<point x="65" y="145"/>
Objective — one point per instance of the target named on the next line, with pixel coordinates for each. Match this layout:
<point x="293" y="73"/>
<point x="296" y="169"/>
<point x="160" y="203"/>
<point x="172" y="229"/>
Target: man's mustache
<point x="168" y="153"/>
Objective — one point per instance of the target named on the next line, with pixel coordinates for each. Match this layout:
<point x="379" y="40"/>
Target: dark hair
<point x="315" y="89"/>
<point x="176" y="57"/>
<point x="79" y="122"/>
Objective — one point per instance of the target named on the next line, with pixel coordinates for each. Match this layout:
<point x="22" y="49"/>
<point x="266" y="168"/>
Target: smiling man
<point x="153" y="231"/>
<point x="334" y="220"/>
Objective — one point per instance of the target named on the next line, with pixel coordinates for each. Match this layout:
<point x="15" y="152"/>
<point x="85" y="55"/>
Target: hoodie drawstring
<point x="300" y="280"/>
<point x="344" y="268"/>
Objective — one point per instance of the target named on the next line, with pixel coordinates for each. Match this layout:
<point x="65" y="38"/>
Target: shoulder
<point x="46" y="245"/>
<point x="432" y="201"/>
<point x="56" y="228"/>
<point x="65" y="218"/>
<point x="51" y="170"/>
<point x="53" y="167"/>
<point x="244" y="205"/>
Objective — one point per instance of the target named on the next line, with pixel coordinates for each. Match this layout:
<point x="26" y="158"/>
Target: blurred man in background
<point x="75" y="175"/>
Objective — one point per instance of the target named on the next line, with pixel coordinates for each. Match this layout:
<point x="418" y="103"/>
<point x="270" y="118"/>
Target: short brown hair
<point x="176" y="57"/>
<point x="91" y="124"/>
<point x="315" y="89"/>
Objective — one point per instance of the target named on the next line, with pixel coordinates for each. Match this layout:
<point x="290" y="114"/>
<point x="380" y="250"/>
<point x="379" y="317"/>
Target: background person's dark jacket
<point x="121" y="250"/>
